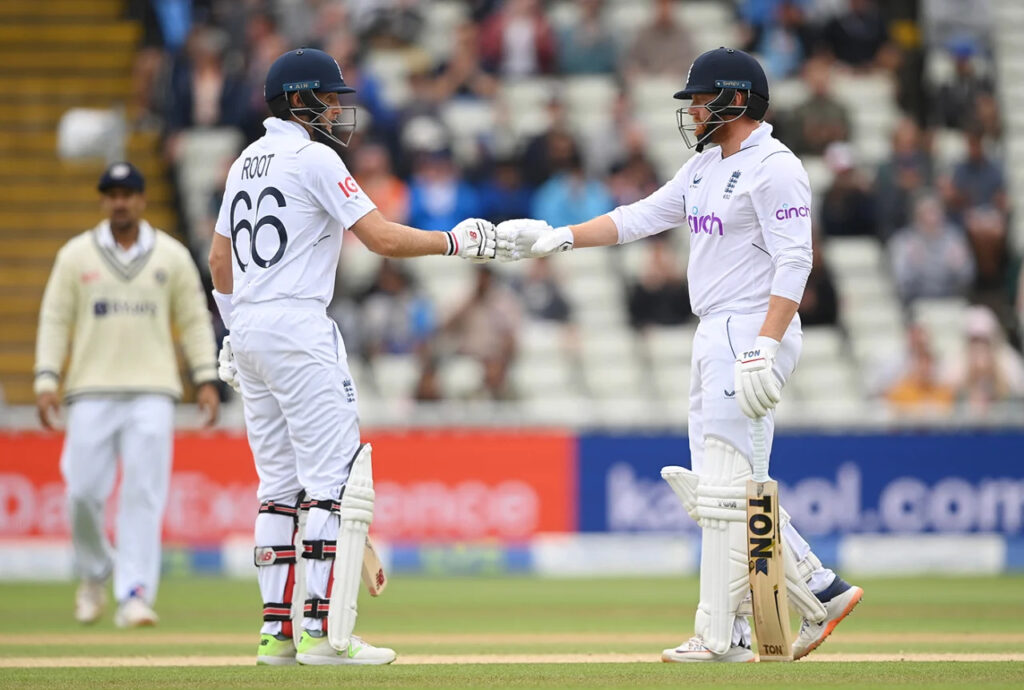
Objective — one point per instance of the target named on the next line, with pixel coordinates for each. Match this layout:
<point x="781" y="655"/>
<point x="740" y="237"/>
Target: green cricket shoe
<point x="315" y="650"/>
<point x="275" y="650"/>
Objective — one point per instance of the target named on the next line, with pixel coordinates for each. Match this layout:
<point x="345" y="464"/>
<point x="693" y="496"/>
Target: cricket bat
<point x="764" y="554"/>
<point x="373" y="571"/>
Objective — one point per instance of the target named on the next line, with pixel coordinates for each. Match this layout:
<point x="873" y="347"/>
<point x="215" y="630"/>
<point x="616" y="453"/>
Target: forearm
<point x="780" y="314"/>
<point x="596" y="232"/>
<point x="387" y="238"/>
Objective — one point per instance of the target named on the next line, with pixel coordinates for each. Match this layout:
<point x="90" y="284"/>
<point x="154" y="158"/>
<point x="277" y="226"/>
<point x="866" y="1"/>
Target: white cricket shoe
<point x="90" y="600"/>
<point x="315" y="650"/>
<point x="135" y="613"/>
<point x="839" y="599"/>
<point x="694" y="650"/>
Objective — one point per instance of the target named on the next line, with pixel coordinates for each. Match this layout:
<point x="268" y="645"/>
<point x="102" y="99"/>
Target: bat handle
<point x="759" y="460"/>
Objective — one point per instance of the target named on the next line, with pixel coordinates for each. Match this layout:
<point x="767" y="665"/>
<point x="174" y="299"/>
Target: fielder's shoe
<point x="839" y="599"/>
<point x="275" y="650"/>
<point x="90" y="600"/>
<point x="694" y="650"/>
<point x="135" y="613"/>
<point x="315" y="650"/>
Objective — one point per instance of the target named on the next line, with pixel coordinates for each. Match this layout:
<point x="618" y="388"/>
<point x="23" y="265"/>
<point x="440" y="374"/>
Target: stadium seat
<point x="614" y="379"/>
<point x="534" y="376"/>
<point x="395" y="375"/>
<point x="846" y="255"/>
<point x="460" y="376"/>
<point x="669" y="344"/>
<point x="821" y="343"/>
<point x="671" y="380"/>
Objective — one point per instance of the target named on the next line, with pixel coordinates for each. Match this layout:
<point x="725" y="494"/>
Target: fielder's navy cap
<point x="123" y="175"/>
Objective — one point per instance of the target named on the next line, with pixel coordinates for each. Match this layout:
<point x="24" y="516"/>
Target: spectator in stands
<point x="463" y="75"/>
<point x="977" y="181"/>
<point x="991" y="371"/>
<point x="343" y="47"/>
<point x="438" y="194"/>
<point x="857" y="35"/>
<point x="571" y="196"/>
<point x="848" y="208"/>
<point x="819" y="305"/>
<point x="908" y="172"/>
<point x="930" y="257"/>
<point x="486" y="327"/>
<point x="541" y="294"/>
<point x="372" y="170"/>
<point x="784" y="40"/>
<point x="821" y="119"/>
<point x="395" y="318"/>
<point x="659" y="297"/>
<point x="202" y="91"/>
<point x="517" y="40"/>
<point x="953" y="102"/>
<point x="662" y="47"/>
<point x="428" y="385"/>
<point x="587" y="47"/>
<point x="987" y="116"/>
<point x="388" y="25"/>
<point x="632" y="179"/>
<point x="918" y="390"/>
<point x="548" y="152"/>
<point x="263" y="44"/>
<point x="503" y="194"/>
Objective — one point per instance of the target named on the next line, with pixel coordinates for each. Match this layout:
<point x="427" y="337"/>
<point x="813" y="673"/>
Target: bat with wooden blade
<point x="764" y="552"/>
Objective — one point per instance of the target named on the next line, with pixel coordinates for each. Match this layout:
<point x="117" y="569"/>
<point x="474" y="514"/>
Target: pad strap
<point x="327" y="504"/>
<point x="273" y="555"/>
<point x="316" y="608"/>
<point x="277" y="612"/>
<point x="278" y="508"/>
<point x="320" y="549"/>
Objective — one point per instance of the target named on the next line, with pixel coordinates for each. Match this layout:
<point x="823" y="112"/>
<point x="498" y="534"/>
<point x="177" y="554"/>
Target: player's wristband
<point x="224" y="306"/>
<point x="453" y="244"/>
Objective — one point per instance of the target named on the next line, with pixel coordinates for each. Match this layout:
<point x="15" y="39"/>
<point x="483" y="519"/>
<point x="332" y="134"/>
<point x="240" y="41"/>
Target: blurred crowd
<point x="944" y="228"/>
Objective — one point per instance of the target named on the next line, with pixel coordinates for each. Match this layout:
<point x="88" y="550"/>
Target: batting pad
<point x="356" y="516"/>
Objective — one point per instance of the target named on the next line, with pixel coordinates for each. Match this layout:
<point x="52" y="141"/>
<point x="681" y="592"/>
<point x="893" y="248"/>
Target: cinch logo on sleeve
<point x="787" y="212"/>
<point x="707" y="223"/>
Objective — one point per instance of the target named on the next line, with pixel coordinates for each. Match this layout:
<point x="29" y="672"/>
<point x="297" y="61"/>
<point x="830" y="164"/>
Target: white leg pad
<point x="299" y="593"/>
<point x="797" y="574"/>
<point x="718" y="503"/>
<point x="356" y="516"/>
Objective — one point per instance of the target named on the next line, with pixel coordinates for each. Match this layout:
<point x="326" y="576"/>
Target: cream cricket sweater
<point x="118" y="316"/>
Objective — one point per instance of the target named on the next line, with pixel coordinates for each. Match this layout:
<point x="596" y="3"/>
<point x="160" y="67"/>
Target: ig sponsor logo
<point x="787" y="212"/>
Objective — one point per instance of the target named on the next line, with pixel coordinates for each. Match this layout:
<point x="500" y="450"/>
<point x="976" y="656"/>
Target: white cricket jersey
<point x="286" y="203"/>
<point x="749" y="216"/>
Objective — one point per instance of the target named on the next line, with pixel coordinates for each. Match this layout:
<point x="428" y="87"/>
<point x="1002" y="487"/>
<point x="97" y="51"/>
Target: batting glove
<point x="757" y="388"/>
<point x="474" y="239"/>
<point x="227" y="371"/>
<point x="526" y="238"/>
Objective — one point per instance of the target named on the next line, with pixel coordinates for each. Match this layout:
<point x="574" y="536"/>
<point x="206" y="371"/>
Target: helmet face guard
<point x="721" y="110"/>
<point x="333" y="132"/>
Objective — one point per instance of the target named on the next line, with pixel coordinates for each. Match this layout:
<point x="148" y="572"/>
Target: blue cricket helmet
<point x="723" y="72"/>
<point x="305" y="69"/>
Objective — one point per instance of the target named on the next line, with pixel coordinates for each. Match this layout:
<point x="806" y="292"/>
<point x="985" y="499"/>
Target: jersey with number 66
<point x="287" y="202"/>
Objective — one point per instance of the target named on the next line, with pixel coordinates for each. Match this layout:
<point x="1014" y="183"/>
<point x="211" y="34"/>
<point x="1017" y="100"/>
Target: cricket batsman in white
<point x="288" y="201"/>
<point x="746" y="201"/>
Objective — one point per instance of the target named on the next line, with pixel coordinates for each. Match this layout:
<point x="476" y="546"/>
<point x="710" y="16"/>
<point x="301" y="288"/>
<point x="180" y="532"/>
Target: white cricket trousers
<point x="138" y="430"/>
<point x="303" y="429"/>
<point x="714" y="411"/>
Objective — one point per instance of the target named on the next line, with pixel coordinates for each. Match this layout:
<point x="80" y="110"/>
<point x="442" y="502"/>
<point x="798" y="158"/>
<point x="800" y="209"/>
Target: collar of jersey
<point x="763" y="131"/>
<point x="143" y="244"/>
<point x="279" y="127"/>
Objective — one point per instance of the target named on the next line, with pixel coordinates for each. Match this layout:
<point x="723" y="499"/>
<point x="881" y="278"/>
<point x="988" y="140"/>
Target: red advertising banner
<point x="431" y="486"/>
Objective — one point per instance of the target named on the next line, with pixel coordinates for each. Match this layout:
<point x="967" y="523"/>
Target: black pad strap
<point x="316" y="608"/>
<point x="277" y="612"/>
<point x="274" y="555"/>
<point x="328" y="504"/>
<point x="278" y="508"/>
<point x="320" y="549"/>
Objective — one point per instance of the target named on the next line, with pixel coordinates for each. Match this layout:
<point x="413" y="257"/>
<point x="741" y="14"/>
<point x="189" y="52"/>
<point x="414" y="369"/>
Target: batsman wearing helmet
<point x="289" y="199"/>
<point x="746" y="200"/>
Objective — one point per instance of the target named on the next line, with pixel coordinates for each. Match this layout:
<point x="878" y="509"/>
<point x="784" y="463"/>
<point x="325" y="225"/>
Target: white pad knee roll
<point x="356" y="516"/>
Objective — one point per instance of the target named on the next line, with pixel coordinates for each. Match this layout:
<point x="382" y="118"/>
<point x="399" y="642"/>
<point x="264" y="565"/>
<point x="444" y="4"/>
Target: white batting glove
<point x="227" y="371"/>
<point x="516" y="237"/>
<point x="757" y="388"/>
<point x="474" y="239"/>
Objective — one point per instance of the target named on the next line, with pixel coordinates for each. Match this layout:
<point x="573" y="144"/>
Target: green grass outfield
<point x="463" y="632"/>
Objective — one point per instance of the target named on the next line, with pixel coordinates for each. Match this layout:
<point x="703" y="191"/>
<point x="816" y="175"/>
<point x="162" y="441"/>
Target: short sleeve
<point x="333" y="187"/>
